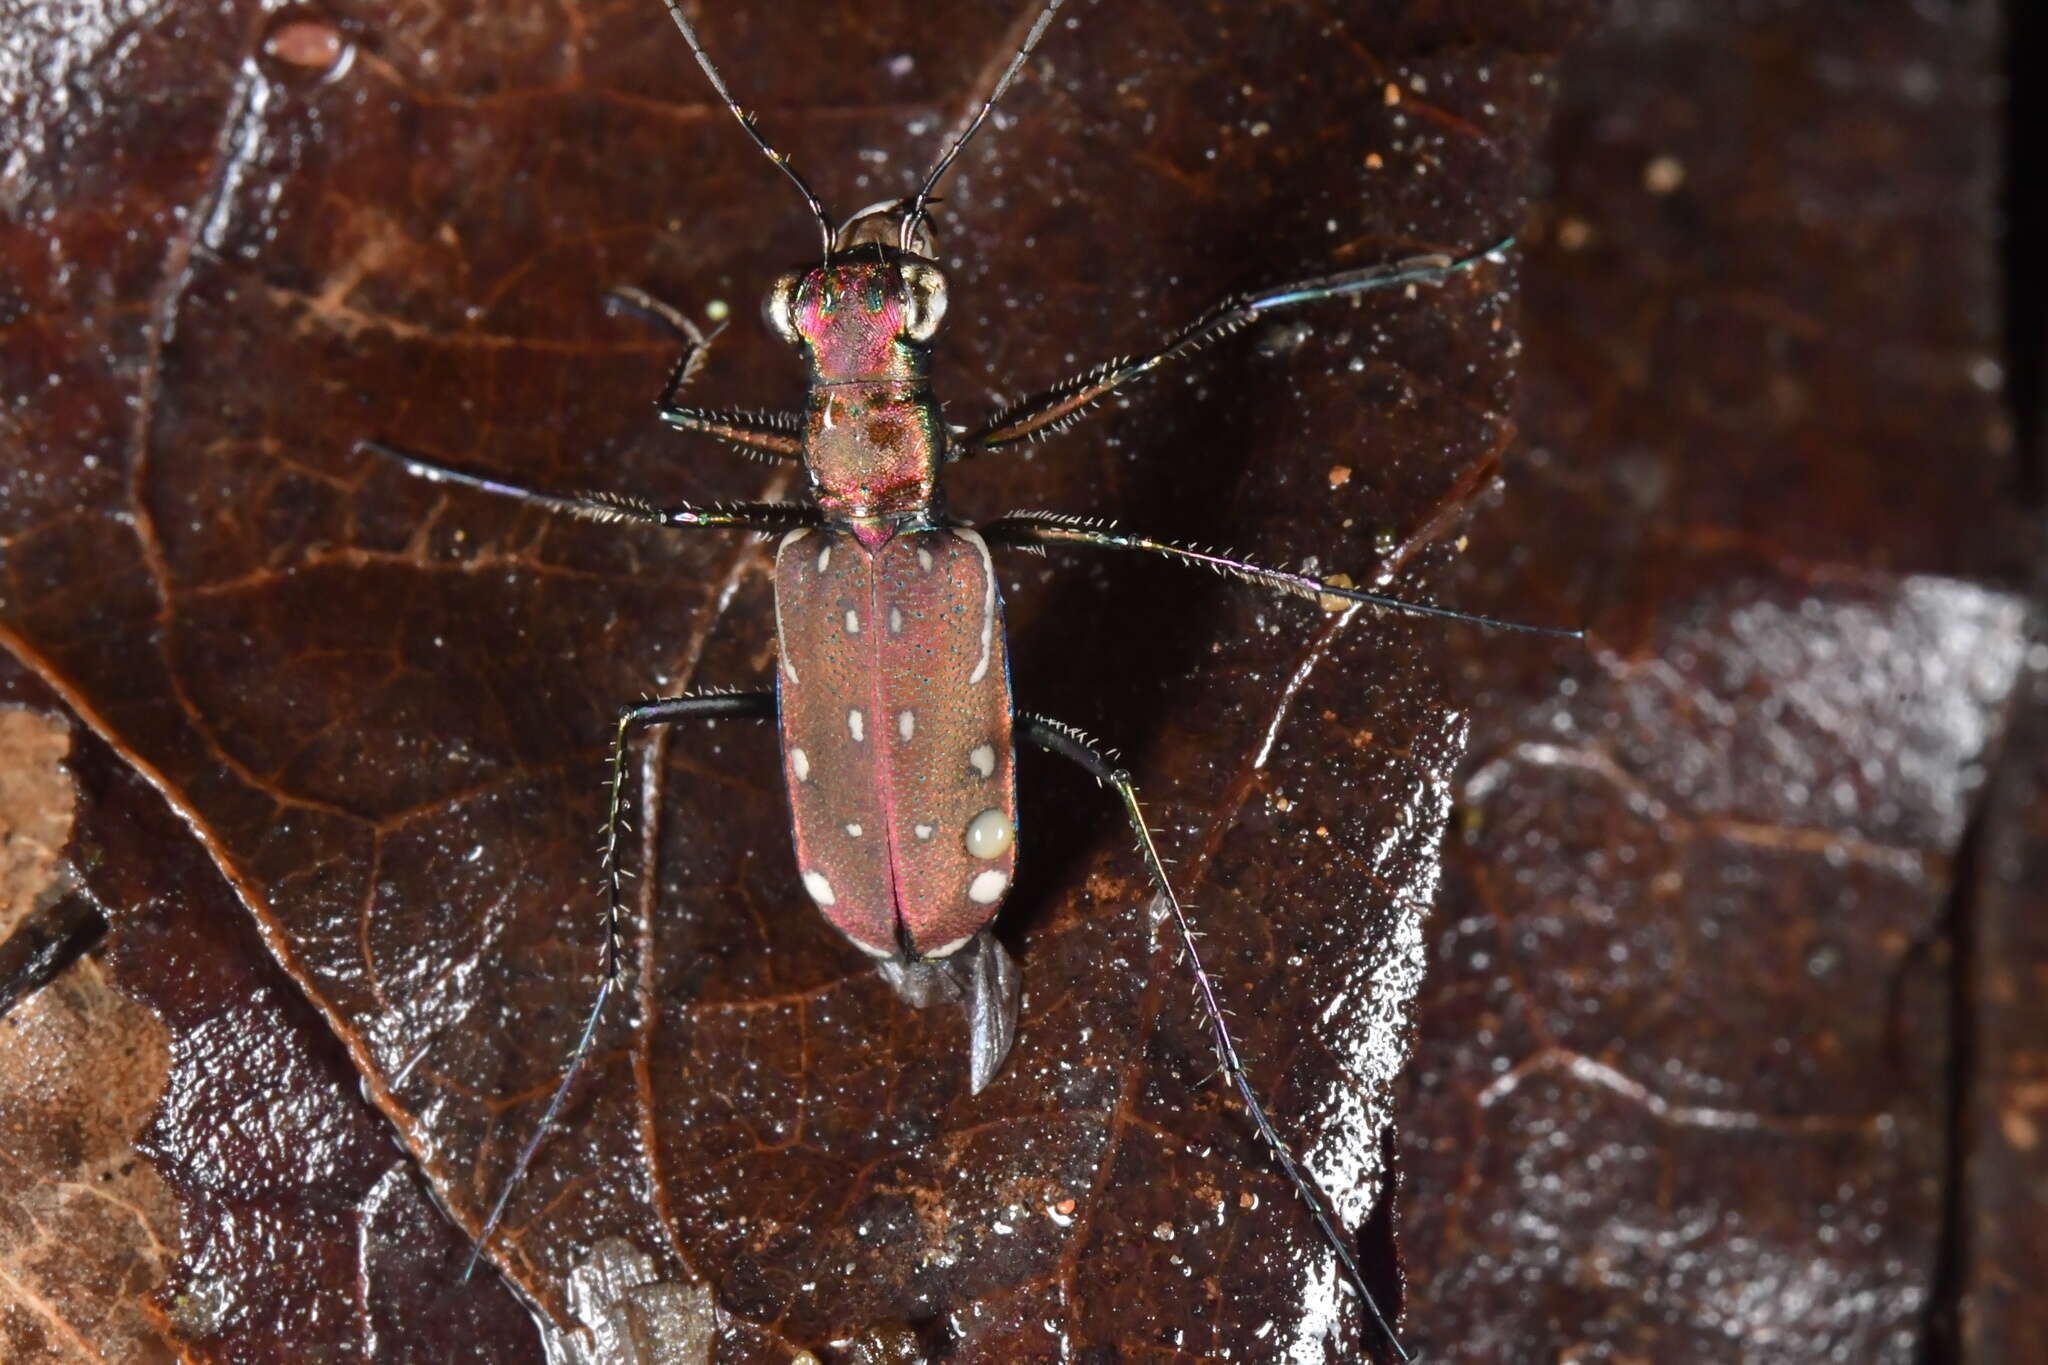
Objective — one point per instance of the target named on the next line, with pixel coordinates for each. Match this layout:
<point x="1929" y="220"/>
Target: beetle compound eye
<point x="780" y="307"/>
<point x="990" y="834"/>
<point x="925" y="296"/>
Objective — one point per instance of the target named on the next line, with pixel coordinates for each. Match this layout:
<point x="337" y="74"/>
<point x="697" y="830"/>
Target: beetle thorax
<point x="864" y="322"/>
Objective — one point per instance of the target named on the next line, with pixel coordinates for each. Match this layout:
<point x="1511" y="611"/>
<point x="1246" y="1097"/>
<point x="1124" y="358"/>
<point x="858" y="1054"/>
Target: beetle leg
<point x="1040" y="529"/>
<point x="1071" y="744"/>
<point x="769" y="435"/>
<point x="766" y="517"/>
<point x="983" y="978"/>
<point x="1064" y="403"/>
<point x="663" y="711"/>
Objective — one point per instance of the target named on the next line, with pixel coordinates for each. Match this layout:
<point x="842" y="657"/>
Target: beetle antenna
<point x="924" y="192"/>
<point x="782" y="163"/>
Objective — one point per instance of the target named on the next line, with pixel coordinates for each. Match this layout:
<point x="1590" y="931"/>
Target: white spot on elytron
<point x="984" y="760"/>
<point x="857" y="725"/>
<point x="821" y="890"/>
<point x="990" y="834"/>
<point x="792" y="538"/>
<point x="906" y="724"/>
<point x="924" y="559"/>
<point x="948" y="949"/>
<point x="922" y="831"/>
<point x="883" y="953"/>
<point x="800" y="764"/>
<point x="895" y="620"/>
<point x="853" y="829"/>
<point x="987" y="887"/>
<point x="852" y="621"/>
<point x="988" y="604"/>
<point x="824" y="559"/>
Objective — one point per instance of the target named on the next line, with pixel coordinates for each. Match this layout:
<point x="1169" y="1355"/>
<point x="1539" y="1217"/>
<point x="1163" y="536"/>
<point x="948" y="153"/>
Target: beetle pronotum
<point x="892" y="682"/>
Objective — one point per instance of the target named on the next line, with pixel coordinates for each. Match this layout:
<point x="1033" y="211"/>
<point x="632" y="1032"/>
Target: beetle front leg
<point x="1071" y="744"/>
<point x="1037" y="530"/>
<point x="766" y="517"/>
<point x="765" y="435"/>
<point x="661" y="711"/>
<point x="1064" y="403"/>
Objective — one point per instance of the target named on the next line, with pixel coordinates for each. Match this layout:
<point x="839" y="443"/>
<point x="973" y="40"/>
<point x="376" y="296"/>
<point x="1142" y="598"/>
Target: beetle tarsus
<point x="624" y="298"/>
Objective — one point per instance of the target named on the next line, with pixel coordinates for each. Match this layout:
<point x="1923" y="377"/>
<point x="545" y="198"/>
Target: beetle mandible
<point x="892" y="687"/>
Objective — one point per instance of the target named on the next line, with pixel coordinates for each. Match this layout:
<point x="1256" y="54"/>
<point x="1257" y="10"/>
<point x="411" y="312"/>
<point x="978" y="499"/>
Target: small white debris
<point x="1663" y="174"/>
<point x="990" y="834"/>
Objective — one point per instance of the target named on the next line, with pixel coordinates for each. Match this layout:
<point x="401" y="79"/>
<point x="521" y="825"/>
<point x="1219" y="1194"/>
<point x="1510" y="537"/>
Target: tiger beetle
<point x="892" y="682"/>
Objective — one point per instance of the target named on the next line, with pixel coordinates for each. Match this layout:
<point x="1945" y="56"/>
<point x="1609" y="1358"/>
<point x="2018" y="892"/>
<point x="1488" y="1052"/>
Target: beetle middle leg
<point x="657" y="711"/>
<point x="611" y="507"/>
<point x="1071" y="744"/>
<point x="767" y="517"/>
<point x="1040" y="529"/>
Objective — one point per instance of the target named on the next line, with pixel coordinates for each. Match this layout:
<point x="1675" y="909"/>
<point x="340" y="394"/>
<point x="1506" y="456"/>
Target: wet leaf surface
<point x="1692" y="925"/>
<point x="1687" y="1072"/>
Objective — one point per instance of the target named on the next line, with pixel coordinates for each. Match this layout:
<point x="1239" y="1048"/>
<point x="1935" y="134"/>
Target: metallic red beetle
<point x="892" y="686"/>
<point x="895" y="692"/>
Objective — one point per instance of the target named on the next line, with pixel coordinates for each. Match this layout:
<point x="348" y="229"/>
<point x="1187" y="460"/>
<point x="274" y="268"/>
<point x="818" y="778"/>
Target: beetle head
<point x="869" y="310"/>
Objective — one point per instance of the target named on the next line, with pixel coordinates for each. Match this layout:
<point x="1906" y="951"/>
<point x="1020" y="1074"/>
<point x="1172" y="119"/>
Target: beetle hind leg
<point x="657" y="711"/>
<point x="1074" y="746"/>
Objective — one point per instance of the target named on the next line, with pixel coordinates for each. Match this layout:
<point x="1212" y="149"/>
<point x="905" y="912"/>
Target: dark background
<point x="1726" y="1044"/>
